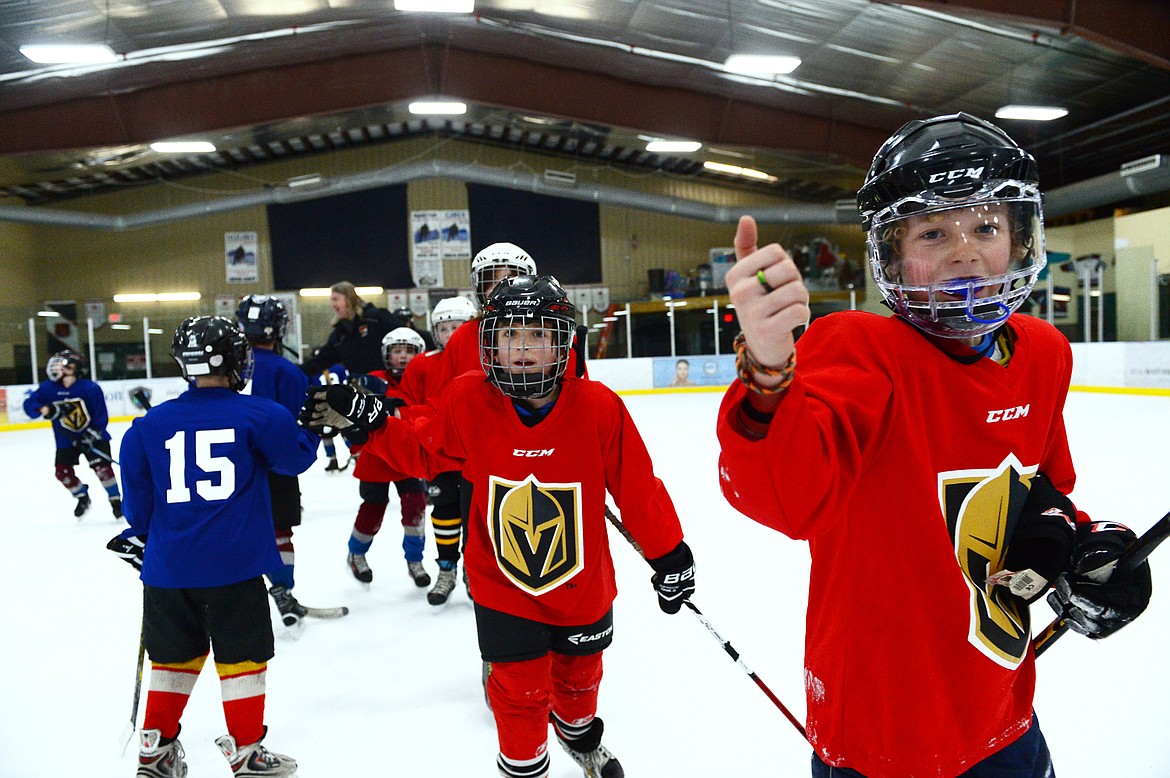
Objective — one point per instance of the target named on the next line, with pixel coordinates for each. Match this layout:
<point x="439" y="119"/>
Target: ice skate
<point x="255" y="761"/>
<point x="359" y="568"/>
<point x="444" y="585"/>
<point x="116" y="506"/>
<point x="83" y="503"/>
<point x="418" y="574"/>
<point x="157" y="759"/>
<point x="332" y="467"/>
<point x="466" y="584"/>
<point x="291" y="611"/>
<point x="595" y="759"/>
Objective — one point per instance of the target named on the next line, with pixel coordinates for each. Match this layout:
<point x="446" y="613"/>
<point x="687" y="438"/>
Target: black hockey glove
<point x="129" y="549"/>
<point x="56" y="410"/>
<point x="1042" y="542"/>
<point x="88" y="439"/>
<point x="1096" y="599"/>
<point x="674" y="577"/>
<point x="339" y="407"/>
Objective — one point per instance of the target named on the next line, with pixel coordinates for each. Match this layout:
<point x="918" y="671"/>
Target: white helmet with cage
<point x="953" y="189"/>
<point x="487" y="264"/>
<point x="453" y="309"/>
<point x="400" y="336"/>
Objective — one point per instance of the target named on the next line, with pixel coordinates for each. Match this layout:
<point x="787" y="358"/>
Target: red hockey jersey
<point x="905" y="470"/>
<point x="537" y="544"/>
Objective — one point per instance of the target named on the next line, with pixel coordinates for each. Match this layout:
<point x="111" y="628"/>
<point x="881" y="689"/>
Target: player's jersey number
<point x="210" y="489"/>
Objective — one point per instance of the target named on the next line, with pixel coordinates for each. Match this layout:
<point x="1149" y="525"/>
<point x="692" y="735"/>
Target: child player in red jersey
<point x="930" y="442"/>
<point x="542" y="449"/>
<point x="399" y="347"/>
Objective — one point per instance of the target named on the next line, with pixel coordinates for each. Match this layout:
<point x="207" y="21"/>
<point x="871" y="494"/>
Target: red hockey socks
<point x="242" y="686"/>
<point x="170" y="688"/>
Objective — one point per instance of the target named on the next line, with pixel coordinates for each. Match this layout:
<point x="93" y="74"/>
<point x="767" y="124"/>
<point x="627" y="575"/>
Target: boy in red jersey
<point x="421" y="385"/>
<point x="399" y="347"/>
<point x="542" y="449"/>
<point x="931" y="440"/>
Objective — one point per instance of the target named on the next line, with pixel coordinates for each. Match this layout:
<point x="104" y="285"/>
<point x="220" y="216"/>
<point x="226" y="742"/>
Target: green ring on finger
<point x="763" y="281"/>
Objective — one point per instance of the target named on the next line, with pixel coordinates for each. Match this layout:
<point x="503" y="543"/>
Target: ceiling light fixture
<point x="758" y="64"/>
<point x="81" y="54"/>
<point x="674" y="146"/>
<point x="183" y="147"/>
<point x="436" y="6"/>
<point x="437" y="108"/>
<point x="1031" y="113"/>
<point x="48" y="314"/>
<point x="157" y="297"/>
<point x="742" y="172"/>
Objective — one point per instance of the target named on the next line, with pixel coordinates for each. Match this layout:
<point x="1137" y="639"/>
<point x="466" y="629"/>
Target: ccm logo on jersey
<point x="533" y="452"/>
<point x="951" y="175"/>
<point x="1007" y="414"/>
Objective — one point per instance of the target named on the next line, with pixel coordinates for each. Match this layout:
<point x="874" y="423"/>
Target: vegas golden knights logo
<point x="77" y="417"/>
<point x="981" y="509"/>
<point x="536" y="531"/>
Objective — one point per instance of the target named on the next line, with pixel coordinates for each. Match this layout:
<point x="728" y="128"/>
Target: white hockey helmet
<point x="453" y="309"/>
<point x="400" y="336"/>
<point x="498" y="256"/>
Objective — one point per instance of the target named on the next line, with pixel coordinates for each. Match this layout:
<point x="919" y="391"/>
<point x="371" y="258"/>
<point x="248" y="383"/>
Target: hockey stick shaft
<point x="1129" y="561"/>
<point x="133" y="725"/>
<point x="726" y="644"/>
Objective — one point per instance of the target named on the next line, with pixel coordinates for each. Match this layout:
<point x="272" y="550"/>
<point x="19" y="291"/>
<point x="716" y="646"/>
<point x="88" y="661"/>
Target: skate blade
<point x="295" y="630"/>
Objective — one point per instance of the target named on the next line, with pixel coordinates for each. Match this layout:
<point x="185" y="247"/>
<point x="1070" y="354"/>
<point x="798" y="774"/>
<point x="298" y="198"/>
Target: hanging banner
<point x="436" y="236"/>
<point x="420" y="303"/>
<point x="426" y="249"/>
<point x="455" y="234"/>
<point x="240" y="251"/>
<point x="601" y="299"/>
<point x="395" y="299"/>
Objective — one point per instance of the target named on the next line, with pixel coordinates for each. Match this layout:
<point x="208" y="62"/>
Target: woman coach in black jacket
<point x="356" y="339"/>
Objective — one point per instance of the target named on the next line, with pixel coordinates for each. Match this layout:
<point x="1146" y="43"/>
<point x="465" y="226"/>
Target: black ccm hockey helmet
<point x="263" y="318"/>
<point x="525" y="335"/>
<point x="963" y="165"/>
<point x="213" y="345"/>
<point x="55" y="367"/>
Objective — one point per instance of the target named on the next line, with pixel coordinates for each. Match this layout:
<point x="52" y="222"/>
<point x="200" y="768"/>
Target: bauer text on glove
<point x="674" y="577"/>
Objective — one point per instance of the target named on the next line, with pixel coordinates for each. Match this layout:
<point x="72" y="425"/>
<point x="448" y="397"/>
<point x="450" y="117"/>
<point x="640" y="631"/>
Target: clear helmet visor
<point x="957" y="268"/>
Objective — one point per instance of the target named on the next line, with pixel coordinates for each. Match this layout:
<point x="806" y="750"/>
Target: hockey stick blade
<point x="726" y="644"/>
<point x="1137" y="553"/>
<point x="327" y="613"/>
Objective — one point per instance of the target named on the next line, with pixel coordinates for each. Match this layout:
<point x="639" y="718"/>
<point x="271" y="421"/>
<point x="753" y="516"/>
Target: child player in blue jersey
<point x="77" y="408"/>
<point x="195" y="474"/>
<point x="264" y="320"/>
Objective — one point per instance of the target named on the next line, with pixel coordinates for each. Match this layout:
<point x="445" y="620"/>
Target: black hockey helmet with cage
<point x="213" y="345"/>
<point x="263" y="318"/>
<point x="944" y="164"/>
<point x="512" y="354"/>
<point x="55" y="367"/>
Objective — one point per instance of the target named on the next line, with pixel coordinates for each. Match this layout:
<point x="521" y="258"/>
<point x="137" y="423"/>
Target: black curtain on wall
<point x="562" y="235"/>
<point x="360" y="237"/>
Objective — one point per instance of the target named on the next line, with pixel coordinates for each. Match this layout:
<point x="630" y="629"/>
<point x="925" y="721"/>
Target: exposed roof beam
<point x="1135" y="28"/>
<point x="274" y="94"/>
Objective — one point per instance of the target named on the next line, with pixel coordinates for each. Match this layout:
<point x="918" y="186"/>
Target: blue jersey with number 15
<point x="195" y="481"/>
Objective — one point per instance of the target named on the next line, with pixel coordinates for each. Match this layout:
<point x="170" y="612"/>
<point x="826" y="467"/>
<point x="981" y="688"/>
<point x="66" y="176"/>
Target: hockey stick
<point x="730" y="649"/>
<point x="1126" y="563"/>
<point x="128" y="732"/>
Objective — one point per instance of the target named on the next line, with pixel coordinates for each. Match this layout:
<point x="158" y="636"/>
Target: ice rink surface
<point x="393" y="689"/>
